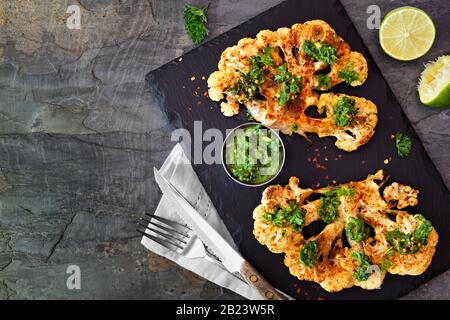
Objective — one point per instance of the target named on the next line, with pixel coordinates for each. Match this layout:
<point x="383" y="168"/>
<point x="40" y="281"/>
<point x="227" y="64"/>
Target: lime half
<point x="406" y="33"/>
<point x="434" y="85"/>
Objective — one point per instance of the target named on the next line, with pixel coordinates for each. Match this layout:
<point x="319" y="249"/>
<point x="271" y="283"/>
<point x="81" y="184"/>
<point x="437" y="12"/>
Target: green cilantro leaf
<point x="344" y="111"/>
<point x="290" y="85"/>
<point x="403" y="144"/>
<point x="385" y="264"/>
<point x="307" y="255"/>
<point x="356" y="230"/>
<point x="423" y="230"/>
<point x="319" y="51"/>
<point x="348" y="74"/>
<point x="328" y="204"/>
<point x="324" y="82"/>
<point x="363" y="271"/>
<point x="290" y="215"/>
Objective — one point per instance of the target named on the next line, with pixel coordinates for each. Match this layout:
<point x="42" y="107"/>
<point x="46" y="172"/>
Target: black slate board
<point x="183" y="101"/>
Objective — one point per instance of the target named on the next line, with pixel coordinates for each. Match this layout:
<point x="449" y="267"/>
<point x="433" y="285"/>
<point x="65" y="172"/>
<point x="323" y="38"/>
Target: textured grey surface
<point x="79" y="136"/>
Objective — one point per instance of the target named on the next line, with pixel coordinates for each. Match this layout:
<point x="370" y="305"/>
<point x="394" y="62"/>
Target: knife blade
<point x="229" y="257"/>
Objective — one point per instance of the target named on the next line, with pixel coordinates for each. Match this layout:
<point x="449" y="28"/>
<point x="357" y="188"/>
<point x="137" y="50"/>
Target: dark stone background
<point x="79" y="136"/>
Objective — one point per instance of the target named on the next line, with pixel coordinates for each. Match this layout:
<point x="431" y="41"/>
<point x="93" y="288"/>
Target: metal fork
<point x="177" y="237"/>
<point x="174" y="236"/>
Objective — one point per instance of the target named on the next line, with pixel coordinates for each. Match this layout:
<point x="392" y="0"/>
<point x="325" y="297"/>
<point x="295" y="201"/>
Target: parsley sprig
<point x="195" y="22"/>
<point x="403" y="144"/>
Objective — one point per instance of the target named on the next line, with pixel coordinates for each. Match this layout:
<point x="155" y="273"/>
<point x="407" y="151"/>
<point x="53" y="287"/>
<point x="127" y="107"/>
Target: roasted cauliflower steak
<point x="280" y="74"/>
<point x="379" y="237"/>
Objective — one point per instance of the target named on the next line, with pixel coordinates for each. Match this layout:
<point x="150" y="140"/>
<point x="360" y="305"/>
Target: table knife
<point x="229" y="257"/>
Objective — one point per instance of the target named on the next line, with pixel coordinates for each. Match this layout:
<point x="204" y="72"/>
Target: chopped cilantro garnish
<point x="294" y="127"/>
<point x="363" y="271"/>
<point x="423" y="230"/>
<point x="328" y="208"/>
<point x="344" y="111"/>
<point x="247" y="85"/>
<point x="356" y="230"/>
<point x="290" y="85"/>
<point x="385" y="264"/>
<point x="308" y="254"/>
<point x="410" y="243"/>
<point x="348" y="74"/>
<point x="324" y="82"/>
<point x="319" y="51"/>
<point x="403" y="144"/>
<point x="291" y="215"/>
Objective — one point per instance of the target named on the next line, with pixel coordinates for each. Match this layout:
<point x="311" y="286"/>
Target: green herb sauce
<point x="253" y="154"/>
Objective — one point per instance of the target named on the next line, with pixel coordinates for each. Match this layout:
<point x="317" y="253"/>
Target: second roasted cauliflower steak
<point x="399" y="243"/>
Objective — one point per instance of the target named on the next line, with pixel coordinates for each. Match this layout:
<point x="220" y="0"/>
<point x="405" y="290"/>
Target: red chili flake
<point x="309" y="159"/>
<point x="298" y="290"/>
<point x="327" y="177"/>
<point x="314" y="159"/>
<point x="320" y="298"/>
<point x="205" y="94"/>
<point x="316" y="149"/>
<point x="199" y="102"/>
<point x="189" y="108"/>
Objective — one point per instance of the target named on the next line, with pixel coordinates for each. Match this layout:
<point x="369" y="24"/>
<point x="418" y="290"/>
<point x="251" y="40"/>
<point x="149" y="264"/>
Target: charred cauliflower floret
<point x="401" y="195"/>
<point x="377" y="244"/>
<point x="279" y="74"/>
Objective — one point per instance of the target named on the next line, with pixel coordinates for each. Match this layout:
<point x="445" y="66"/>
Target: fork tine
<point x="165" y="244"/>
<point x="170" y="223"/>
<point x="170" y="230"/>
<point x="159" y="240"/>
<point x="163" y="234"/>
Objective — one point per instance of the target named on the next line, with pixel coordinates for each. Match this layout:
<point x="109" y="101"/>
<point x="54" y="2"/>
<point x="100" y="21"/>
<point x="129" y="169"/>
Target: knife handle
<point x="256" y="280"/>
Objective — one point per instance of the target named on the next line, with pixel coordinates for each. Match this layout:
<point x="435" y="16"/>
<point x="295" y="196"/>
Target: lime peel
<point x="434" y="84"/>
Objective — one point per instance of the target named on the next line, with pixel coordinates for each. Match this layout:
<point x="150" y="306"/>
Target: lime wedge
<point x="434" y="85"/>
<point x="406" y="33"/>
